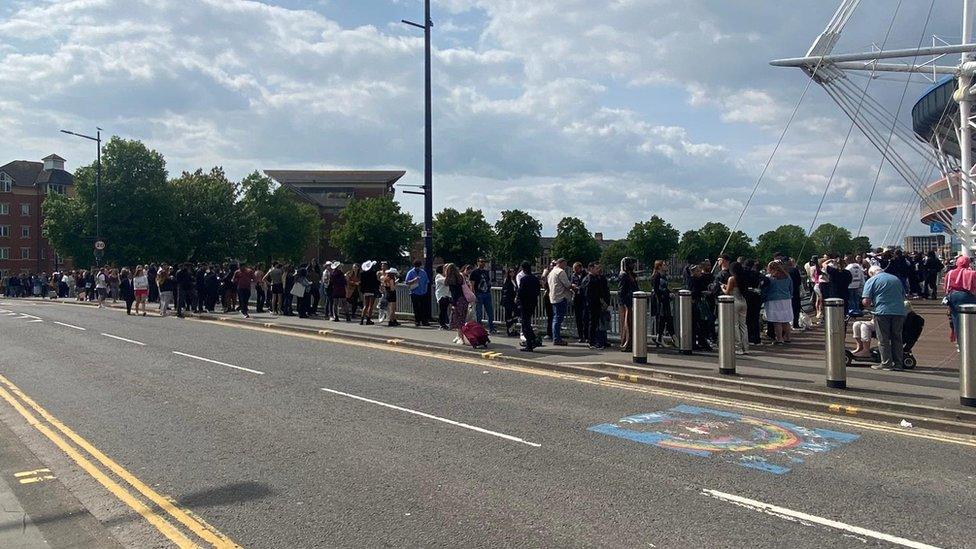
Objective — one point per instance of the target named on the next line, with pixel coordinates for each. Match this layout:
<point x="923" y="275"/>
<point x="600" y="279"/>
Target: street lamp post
<point x="98" y="184"/>
<point x="428" y="155"/>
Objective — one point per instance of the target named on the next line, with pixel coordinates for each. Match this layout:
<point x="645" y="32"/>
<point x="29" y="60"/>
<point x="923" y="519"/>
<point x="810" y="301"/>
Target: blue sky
<point x="611" y="111"/>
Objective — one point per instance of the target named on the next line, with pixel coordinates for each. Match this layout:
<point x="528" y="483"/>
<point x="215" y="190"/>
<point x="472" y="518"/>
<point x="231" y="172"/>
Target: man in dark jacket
<point x="151" y="272"/>
<point x="200" y="282"/>
<point x="597" y="295"/>
<point x="529" y="290"/>
<point x="184" y="287"/>
<point x="211" y="282"/>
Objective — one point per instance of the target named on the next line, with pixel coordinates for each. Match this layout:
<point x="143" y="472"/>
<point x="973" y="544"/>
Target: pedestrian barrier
<point x="639" y="334"/>
<point x="685" y="337"/>
<point x="726" y="334"/>
<point x="967" y="355"/>
<point x="834" y="357"/>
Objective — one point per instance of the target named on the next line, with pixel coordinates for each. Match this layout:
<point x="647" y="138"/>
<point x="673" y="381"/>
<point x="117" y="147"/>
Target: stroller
<point x="910" y="333"/>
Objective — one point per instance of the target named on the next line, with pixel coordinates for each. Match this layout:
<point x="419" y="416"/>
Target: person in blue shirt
<point x="419" y="284"/>
<point x="886" y="294"/>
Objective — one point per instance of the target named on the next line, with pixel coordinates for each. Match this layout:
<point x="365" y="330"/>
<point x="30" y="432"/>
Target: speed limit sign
<point x="100" y="245"/>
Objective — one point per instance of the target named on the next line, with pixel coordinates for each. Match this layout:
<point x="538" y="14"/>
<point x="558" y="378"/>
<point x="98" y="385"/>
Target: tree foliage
<point x="209" y="218"/>
<point x="788" y="239"/>
<point x="574" y="242"/>
<point x="374" y="229"/>
<point x="517" y="238"/>
<point x="462" y="237"/>
<point x="612" y="254"/>
<point x="830" y="238"/>
<point x="652" y="240"/>
<point x="707" y="242"/>
<point x="277" y="225"/>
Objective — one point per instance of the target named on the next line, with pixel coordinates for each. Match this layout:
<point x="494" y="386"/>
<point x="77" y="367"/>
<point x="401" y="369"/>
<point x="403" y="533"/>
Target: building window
<point x="25" y="231"/>
<point x="25" y="253"/>
<point x="4" y="253"/>
<point x="43" y="253"/>
<point x="25" y="208"/>
<point x="5" y="182"/>
<point x="4" y="208"/>
<point x="56" y="189"/>
<point x="4" y="231"/>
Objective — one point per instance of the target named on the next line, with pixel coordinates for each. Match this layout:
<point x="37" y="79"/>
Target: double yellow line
<point x="83" y="453"/>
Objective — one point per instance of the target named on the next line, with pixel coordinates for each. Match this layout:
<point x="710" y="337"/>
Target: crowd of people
<point x="460" y="294"/>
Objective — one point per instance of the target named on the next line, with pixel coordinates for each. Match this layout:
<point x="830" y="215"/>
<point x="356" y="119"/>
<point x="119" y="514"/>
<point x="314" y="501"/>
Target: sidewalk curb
<point x="928" y="417"/>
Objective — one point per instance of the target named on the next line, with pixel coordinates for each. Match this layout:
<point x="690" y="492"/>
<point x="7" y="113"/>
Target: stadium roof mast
<point x="820" y="57"/>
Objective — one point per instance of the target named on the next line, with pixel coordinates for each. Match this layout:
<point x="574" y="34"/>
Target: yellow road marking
<point x="197" y="526"/>
<point x="118" y="491"/>
<point x="31" y="473"/>
<point x="32" y="480"/>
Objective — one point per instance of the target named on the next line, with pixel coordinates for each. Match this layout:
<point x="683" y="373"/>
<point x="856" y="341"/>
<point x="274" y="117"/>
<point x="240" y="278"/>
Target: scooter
<point x="909" y="363"/>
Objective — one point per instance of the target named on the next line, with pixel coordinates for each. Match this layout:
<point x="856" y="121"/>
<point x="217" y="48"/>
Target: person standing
<point x="580" y="309"/>
<point x="260" y="289"/>
<point x="735" y="288"/>
<point x="353" y="279"/>
<point x="560" y="292"/>
<point x="151" y="272"/>
<point x="184" y="287"/>
<point x="200" y="288"/>
<point x="443" y="295"/>
<point x="140" y="288"/>
<point x="779" y="302"/>
<point x="481" y="284"/>
<point x="337" y="292"/>
<point x="885" y="292"/>
<point x="126" y="291"/>
<point x="662" y="301"/>
<point x="797" y="281"/>
<point x="369" y="284"/>
<point x="389" y="287"/>
<point x="274" y="278"/>
<point x="243" y="279"/>
<point x="301" y="288"/>
<point x="114" y="285"/>
<point x="931" y="267"/>
<point x="597" y="295"/>
<point x="318" y="280"/>
<point x="211" y="281"/>
<point x="455" y="282"/>
<point x="419" y="284"/>
<point x="166" y="283"/>
<point x="546" y="298"/>
<point x="627" y="282"/>
<point x="288" y="276"/>
<point x="509" y="298"/>
<point x="101" y="287"/>
<point x="855" y="287"/>
<point x="960" y="289"/>
<point x="529" y="290"/>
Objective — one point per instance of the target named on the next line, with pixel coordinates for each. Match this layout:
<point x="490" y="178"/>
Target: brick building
<point x="332" y="190"/>
<point x="23" y="186"/>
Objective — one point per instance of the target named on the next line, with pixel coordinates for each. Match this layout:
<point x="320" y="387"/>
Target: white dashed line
<point x="789" y="514"/>
<point x="72" y="326"/>
<point x="429" y="416"/>
<point x="126" y="340"/>
<point x="258" y="372"/>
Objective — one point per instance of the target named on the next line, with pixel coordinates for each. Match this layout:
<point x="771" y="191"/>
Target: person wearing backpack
<point x="529" y="290"/>
<point x="481" y="282"/>
<point x="855" y="283"/>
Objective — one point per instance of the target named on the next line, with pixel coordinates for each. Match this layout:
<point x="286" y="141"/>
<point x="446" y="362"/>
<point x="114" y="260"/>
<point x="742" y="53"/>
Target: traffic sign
<point x="100" y="245"/>
<point x="937" y="227"/>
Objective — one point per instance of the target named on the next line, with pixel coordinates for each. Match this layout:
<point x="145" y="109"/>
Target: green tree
<point x="462" y="237"/>
<point x="830" y="238"/>
<point x="138" y="220"/>
<point x="374" y="228"/>
<point x="787" y="239"/>
<point x="860" y="244"/>
<point x="278" y="226"/>
<point x="574" y="242"/>
<point x="517" y="238"/>
<point x="612" y="254"/>
<point x="652" y="240"/>
<point x="211" y="222"/>
<point x="707" y="242"/>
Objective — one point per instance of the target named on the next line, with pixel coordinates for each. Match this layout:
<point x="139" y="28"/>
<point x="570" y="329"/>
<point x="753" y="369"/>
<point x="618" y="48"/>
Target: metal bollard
<point x="685" y="338"/>
<point x="638" y="333"/>
<point x="726" y="334"/>
<point x="967" y="355"/>
<point x="835" y="356"/>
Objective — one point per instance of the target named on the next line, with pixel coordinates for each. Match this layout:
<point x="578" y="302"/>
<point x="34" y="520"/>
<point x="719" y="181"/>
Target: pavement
<point x="227" y="434"/>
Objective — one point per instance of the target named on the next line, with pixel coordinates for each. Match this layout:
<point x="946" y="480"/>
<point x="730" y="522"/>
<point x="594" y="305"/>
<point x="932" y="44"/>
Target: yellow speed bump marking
<point x="491" y="355"/>
<point x="31" y="473"/>
<point x="37" y="475"/>
<point x="394" y="341"/>
<point x="199" y="527"/>
<point x="325" y="332"/>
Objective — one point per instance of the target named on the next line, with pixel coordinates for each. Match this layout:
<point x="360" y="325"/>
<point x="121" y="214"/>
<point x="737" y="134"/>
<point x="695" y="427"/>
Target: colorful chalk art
<point x="763" y="444"/>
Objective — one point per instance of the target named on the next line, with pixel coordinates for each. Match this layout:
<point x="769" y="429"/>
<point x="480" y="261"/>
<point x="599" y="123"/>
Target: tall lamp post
<point x="428" y="156"/>
<point x="98" y="184"/>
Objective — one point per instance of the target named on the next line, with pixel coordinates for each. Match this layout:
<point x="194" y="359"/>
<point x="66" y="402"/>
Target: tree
<point x="830" y="238"/>
<point x="374" y="228"/>
<point x="707" y="242"/>
<point x="653" y="240"/>
<point x="788" y="239"/>
<point x="517" y="238"/>
<point x="574" y="242"/>
<point x="210" y="220"/>
<point x="612" y="254"/>
<point x="860" y="244"/>
<point x="138" y="221"/>
<point x="279" y="226"/>
<point x="462" y="237"/>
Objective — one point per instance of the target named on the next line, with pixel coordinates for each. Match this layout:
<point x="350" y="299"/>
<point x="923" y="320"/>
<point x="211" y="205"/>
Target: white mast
<point x="966" y="134"/>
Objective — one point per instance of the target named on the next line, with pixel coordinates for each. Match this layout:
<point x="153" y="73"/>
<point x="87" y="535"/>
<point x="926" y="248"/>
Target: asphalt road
<point x="290" y="441"/>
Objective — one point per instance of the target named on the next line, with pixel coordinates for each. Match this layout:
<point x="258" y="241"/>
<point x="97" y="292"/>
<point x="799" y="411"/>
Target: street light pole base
<point x="686" y="352"/>
<point x="640" y="360"/>
<point x="966" y="401"/>
<point x="837" y="383"/>
<point x="727" y="371"/>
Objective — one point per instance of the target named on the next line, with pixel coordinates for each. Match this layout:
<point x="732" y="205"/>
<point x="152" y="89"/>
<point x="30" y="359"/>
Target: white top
<point x="100" y="281"/>
<point x="441" y="289"/>
<point x="140" y="282"/>
<point x="560" y="287"/>
<point x="857" y="276"/>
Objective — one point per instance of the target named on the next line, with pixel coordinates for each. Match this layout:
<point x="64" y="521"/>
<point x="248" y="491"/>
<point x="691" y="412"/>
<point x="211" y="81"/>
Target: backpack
<point x="475" y="334"/>
<point x="844" y="279"/>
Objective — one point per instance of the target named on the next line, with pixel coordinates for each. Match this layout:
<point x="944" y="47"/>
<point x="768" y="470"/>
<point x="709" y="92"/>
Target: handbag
<point x="468" y="294"/>
<point x="298" y="290"/>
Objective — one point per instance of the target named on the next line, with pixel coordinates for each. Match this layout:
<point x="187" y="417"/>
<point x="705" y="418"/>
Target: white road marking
<point x="124" y="339"/>
<point x="436" y="418"/>
<point x="72" y="326"/>
<point x="789" y="514"/>
<point x="258" y="372"/>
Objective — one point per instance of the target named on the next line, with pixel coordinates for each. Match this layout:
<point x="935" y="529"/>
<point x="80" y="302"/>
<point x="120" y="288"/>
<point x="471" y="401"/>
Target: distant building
<point x="331" y="191"/>
<point x="924" y="243"/>
<point x="23" y="186"/>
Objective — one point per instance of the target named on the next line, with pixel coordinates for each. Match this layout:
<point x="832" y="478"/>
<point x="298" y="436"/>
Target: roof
<point x="26" y="173"/>
<point x="335" y="177"/>
<point x="935" y="111"/>
<point x="53" y="157"/>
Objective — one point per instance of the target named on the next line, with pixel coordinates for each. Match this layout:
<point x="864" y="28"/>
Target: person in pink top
<point x="960" y="289"/>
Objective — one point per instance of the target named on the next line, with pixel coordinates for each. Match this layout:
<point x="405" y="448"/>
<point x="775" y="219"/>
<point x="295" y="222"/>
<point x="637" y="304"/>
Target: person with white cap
<point x="369" y="285"/>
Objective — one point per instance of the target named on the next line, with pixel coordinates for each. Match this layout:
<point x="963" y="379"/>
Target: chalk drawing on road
<point x="764" y="444"/>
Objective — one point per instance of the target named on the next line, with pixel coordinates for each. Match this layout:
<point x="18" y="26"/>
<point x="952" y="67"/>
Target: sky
<point x="611" y="111"/>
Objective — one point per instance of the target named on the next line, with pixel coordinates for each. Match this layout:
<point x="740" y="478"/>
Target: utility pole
<point x="428" y="149"/>
<point x="966" y="134"/>
<point x="98" y="187"/>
